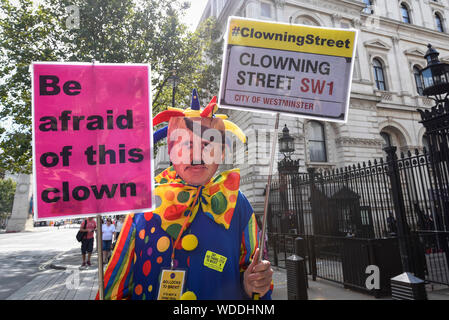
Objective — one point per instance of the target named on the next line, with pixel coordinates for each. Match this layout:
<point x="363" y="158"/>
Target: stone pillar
<point x="20" y="219"/>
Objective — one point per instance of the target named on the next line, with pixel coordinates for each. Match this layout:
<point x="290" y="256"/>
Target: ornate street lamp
<point x="287" y="147"/>
<point x="435" y="77"/>
<point x="286" y="143"/>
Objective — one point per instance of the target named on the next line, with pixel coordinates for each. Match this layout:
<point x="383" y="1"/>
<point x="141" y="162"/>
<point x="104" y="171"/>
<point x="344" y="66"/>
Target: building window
<point x="418" y="80"/>
<point x="308" y="21"/>
<point x="369" y="7"/>
<point x="405" y="13"/>
<point x="425" y="142"/>
<point x="265" y="10"/>
<point x="387" y="140"/>
<point x="439" y="22"/>
<point x="379" y="76"/>
<point x="317" y="142"/>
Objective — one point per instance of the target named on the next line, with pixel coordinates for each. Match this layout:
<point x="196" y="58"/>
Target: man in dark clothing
<point x="87" y="244"/>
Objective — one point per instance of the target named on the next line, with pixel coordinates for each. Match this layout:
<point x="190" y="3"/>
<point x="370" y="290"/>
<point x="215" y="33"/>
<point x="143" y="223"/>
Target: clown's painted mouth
<point x="196" y="167"/>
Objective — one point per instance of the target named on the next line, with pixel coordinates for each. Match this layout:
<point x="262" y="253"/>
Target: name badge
<point x="214" y="261"/>
<point x="172" y="284"/>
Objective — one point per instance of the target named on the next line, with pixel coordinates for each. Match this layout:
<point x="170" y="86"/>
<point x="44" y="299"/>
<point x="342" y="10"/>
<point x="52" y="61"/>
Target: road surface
<point x="21" y="254"/>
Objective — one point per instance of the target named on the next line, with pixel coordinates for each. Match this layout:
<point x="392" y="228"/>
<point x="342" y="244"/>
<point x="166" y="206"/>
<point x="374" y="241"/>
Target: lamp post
<point x="295" y="264"/>
<point x="435" y="79"/>
<point x="174" y="79"/>
<point x="286" y="142"/>
<point x="287" y="147"/>
<point x="287" y="169"/>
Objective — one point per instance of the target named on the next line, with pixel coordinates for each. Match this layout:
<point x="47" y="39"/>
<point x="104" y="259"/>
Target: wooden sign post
<point x="100" y="258"/>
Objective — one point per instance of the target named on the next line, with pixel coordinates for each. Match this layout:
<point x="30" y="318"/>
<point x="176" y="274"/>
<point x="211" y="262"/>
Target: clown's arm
<point x="118" y="276"/>
<point x="254" y="273"/>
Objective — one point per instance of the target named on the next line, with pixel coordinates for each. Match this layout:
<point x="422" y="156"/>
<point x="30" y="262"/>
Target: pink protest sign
<point x="92" y="139"/>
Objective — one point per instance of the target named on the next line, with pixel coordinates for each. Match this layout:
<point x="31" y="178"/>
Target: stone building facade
<point x="385" y="93"/>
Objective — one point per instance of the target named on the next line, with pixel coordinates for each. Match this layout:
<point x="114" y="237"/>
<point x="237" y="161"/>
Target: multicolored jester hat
<point x="220" y="188"/>
<point x="194" y="112"/>
<point x="144" y="245"/>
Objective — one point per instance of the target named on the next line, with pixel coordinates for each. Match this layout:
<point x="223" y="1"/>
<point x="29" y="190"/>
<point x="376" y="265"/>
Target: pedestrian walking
<point x="87" y="243"/>
<point x="108" y="231"/>
<point x="118" y="227"/>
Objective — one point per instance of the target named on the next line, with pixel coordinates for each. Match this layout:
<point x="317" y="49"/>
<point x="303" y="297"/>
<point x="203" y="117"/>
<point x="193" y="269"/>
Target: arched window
<point x="405" y="13"/>
<point x="317" y="142"/>
<point x="306" y="20"/>
<point x="379" y="76"/>
<point x="439" y="22"/>
<point x="387" y="139"/>
<point x="369" y="7"/>
<point x="418" y="80"/>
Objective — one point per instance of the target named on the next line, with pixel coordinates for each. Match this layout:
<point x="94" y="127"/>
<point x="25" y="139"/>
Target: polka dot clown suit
<point x="208" y="230"/>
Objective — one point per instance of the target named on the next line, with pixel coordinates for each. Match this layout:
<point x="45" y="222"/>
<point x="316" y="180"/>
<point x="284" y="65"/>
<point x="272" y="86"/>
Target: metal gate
<point x="353" y="217"/>
<point x="392" y="213"/>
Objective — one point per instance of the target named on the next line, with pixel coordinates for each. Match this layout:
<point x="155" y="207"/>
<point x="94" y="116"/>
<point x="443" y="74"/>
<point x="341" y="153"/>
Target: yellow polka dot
<point x="189" y="242"/>
<point x="188" y="295"/>
<point x="150" y="288"/>
<point x="153" y="229"/>
<point x="163" y="243"/>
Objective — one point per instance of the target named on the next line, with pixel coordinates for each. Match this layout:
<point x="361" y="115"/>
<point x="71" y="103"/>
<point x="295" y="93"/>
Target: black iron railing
<point x="350" y="211"/>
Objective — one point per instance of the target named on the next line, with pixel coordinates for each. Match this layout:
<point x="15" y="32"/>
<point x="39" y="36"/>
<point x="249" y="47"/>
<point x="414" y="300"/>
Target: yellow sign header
<point x="250" y="33"/>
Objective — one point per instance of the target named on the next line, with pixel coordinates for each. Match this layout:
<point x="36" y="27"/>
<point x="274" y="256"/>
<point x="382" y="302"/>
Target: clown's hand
<point x="257" y="277"/>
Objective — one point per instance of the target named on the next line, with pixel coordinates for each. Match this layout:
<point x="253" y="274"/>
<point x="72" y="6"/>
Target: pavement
<point x="60" y="278"/>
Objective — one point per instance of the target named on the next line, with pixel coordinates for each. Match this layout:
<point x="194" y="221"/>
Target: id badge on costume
<point x="172" y="284"/>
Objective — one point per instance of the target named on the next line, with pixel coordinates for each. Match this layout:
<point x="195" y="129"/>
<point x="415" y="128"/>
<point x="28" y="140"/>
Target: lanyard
<point x="184" y="225"/>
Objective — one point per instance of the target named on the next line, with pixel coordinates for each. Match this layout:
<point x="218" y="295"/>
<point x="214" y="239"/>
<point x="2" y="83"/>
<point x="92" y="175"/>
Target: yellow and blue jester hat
<point x="194" y="112"/>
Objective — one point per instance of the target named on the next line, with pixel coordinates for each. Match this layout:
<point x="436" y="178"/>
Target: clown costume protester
<point x="202" y="236"/>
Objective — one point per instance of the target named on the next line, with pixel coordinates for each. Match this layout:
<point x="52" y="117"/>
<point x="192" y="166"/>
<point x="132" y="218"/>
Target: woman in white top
<point x="108" y="231"/>
<point x="118" y="227"/>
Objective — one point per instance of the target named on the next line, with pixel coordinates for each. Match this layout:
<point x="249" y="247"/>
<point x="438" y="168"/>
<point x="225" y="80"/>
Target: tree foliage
<point x="27" y="34"/>
<point x="109" y="31"/>
<point x="7" y="191"/>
